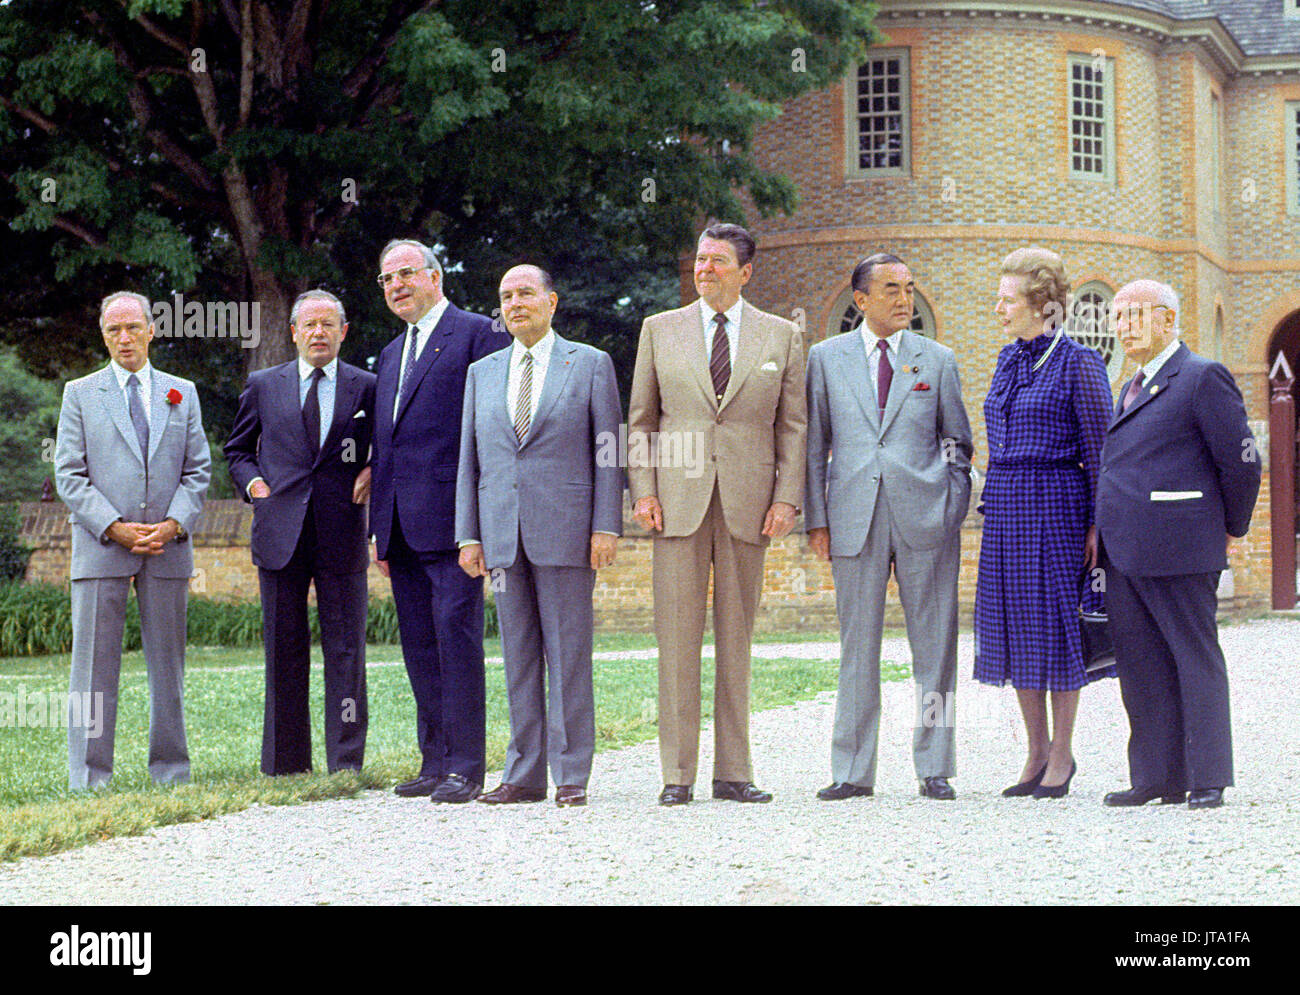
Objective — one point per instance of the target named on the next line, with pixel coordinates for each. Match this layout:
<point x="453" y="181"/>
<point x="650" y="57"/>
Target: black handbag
<point x="1098" y="650"/>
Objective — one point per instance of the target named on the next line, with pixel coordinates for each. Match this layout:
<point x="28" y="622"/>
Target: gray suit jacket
<point x="563" y="483"/>
<point x="919" y="453"/>
<point x="99" y="472"/>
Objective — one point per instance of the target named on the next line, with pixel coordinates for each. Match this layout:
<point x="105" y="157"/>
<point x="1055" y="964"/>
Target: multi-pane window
<point x="1089" y="325"/>
<point x="877" y="112"/>
<point x="1292" y="137"/>
<point x="1092" y="117"/>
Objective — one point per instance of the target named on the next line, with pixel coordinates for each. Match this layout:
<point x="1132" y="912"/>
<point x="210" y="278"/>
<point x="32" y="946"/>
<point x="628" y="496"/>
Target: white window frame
<point x="1099" y="325"/>
<point x="853" y="168"/>
<point x="1106" y="121"/>
<point x="1291" y="133"/>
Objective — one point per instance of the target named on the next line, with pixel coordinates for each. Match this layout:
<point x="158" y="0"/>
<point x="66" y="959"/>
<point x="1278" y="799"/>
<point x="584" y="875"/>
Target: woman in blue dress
<point x="1046" y="413"/>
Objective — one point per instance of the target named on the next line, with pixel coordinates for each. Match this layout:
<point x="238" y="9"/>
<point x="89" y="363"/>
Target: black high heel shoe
<point x="1024" y="788"/>
<point x="1056" y="790"/>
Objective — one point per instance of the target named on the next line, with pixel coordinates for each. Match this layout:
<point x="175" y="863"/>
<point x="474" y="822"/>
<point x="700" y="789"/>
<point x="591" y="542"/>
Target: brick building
<point x="1147" y="138"/>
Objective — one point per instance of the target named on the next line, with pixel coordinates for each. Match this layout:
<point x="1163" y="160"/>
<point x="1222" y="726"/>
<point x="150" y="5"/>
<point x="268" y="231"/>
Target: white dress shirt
<point x="1153" y="365"/>
<point x="425" y="327"/>
<point x="325" y="393"/>
<point x="869" y="340"/>
<point x="710" y="329"/>
<point x="145" y="376"/>
<point x="541" y="352"/>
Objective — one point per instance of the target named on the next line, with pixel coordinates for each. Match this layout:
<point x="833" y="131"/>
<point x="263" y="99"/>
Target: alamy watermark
<point x="23" y="709"/>
<point x="182" y="319"/>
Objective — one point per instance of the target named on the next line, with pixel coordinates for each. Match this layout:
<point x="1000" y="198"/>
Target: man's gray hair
<point x="1161" y="293"/>
<point x="430" y="259"/>
<point x="316" y="295"/>
<point x="145" y="306"/>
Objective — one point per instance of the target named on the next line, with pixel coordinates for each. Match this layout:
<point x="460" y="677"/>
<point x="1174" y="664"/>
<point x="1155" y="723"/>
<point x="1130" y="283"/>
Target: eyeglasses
<point x="405" y="272"/>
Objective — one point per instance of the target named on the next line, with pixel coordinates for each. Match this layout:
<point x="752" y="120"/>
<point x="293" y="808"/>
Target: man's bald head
<point x="528" y="301"/>
<point x="1144" y="315"/>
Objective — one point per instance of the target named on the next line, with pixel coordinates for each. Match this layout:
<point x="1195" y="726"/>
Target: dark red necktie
<point x="884" y="375"/>
<point x="1134" y="389"/>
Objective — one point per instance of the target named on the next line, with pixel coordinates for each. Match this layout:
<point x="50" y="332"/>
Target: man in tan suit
<point x="716" y="430"/>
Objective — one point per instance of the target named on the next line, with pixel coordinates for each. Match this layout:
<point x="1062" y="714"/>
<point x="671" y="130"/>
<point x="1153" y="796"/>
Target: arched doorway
<point x="1282" y="447"/>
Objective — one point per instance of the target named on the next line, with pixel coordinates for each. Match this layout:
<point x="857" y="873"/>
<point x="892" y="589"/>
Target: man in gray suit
<point x="888" y="402"/>
<point x="131" y="463"/>
<point x="539" y="503"/>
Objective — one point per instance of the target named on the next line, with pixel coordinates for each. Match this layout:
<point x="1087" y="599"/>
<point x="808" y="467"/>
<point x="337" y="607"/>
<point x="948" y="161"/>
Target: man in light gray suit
<point x="888" y="403"/>
<point x="539" y="503"/>
<point x="131" y="463"/>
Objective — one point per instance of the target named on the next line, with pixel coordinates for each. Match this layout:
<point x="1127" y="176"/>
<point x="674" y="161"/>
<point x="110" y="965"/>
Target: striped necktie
<point x="524" y="402"/>
<point x="720" y="363"/>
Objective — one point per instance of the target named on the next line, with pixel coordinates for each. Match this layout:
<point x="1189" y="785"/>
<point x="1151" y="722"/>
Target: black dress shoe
<point x="1023" y="789"/>
<point x="1056" y="790"/>
<point x="1140" y="796"/>
<point x="842" y="789"/>
<point x="740" y="791"/>
<point x="676" y="794"/>
<point x="1205" y="798"/>
<point x="937" y="787"/>
<point x="418" y="786"/>
<point x="455" y="790"/>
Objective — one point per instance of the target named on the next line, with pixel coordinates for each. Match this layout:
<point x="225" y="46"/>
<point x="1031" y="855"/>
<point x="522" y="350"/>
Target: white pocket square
<point x="768" y="367"/>
<point x="360" y="414"/>
<point x="1175" y="495"/>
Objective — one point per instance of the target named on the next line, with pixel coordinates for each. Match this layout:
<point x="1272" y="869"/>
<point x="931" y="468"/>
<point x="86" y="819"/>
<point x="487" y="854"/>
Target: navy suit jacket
<point x="269" y="440"/>
<point x="417" y="453"/>
<point x="1179" y="471"/>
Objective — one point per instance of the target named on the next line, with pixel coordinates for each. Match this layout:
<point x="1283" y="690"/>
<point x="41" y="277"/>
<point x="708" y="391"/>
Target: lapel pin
<point x="1155" y="388"/>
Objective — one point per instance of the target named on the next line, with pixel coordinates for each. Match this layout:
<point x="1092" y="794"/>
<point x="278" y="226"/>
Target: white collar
<point x="432" y="316"/>
<point x="541" y="349"/>
<point x="1152" y="366"/>
<point x="870" y="338"/>
<point x="732" y="313"/>
<point x="143" y="374"/>
<point x="331" y="368"/>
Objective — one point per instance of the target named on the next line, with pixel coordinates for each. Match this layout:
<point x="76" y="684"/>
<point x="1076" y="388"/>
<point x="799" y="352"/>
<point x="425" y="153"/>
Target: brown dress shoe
<point x="570" y="794"/>
<point x="511" y="794"/>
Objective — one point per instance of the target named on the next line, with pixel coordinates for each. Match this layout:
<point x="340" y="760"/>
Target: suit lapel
<point x="345" y="393"/>
<point x="1158" y="385"/>
<point x="161" y="411"/>
<point x="497" y="385"/>
<point x="689" y="345"/>
<point x="906" y="374"/>
<point x="115" y="404"/>
<point x="291" y="406"/>
<point x="853" y="362"/>
<point x="749" y="346"/>
<point x="428" y="356"/>
<point x="557" y="375"/>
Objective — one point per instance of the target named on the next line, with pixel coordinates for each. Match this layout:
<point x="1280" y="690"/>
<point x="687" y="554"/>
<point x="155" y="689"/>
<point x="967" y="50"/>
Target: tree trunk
<point x="275" y="345"/>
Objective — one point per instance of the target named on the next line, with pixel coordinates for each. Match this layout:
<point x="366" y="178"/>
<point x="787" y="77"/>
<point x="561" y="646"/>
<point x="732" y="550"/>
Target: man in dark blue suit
<point x="418" y="398"/>
<point x="299" y="450"/>
<point x="1179" y="477"/>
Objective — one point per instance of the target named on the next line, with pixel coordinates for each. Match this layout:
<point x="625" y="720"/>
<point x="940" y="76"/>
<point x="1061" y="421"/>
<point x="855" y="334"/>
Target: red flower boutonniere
<point x="173" y="396"/>
<point x="922" y="386"/>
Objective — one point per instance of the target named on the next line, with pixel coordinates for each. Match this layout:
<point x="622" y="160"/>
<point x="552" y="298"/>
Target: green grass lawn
<point x="223" y="713"/>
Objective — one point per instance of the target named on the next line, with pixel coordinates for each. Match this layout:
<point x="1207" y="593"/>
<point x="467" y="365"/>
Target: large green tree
<point x="244" y="150"/>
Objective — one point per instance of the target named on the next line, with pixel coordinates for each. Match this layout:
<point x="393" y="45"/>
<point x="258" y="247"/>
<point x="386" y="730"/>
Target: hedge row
<point x="37" y="618"/>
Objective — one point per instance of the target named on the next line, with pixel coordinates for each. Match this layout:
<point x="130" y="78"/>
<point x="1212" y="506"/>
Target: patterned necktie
<point x="1134" y="389"/>
<point x="409" y="366"/>
<point x="311" y="412"/>
<point x="884" y="375"/>
<point x="524" y="402"/>
<point x="720" y="363"/>
<point x="136" y="406"/>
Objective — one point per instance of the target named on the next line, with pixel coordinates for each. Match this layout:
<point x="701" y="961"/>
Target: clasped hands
<point x="143" y="538"/>
<point x="780" y="518"/>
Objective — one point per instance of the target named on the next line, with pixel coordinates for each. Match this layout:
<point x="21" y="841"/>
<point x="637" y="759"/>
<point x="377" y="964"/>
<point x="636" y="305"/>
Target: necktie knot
<point x="133" y="381"/>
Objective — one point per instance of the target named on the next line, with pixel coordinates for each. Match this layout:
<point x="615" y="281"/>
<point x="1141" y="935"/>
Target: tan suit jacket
<point x="752" y="443"/>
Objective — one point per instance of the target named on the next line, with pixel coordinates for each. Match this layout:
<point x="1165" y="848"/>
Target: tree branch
<point x="88" y="236"/>
<point x="35" y="117"/>
<point x="171" y="41"/>
<point x="364" y="71"/>
<point x="245" y="61"/>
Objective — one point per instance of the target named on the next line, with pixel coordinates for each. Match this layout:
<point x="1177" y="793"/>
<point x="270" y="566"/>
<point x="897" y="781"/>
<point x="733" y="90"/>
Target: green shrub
<point x="37" y="618"/>
<point x="13" y="554"/>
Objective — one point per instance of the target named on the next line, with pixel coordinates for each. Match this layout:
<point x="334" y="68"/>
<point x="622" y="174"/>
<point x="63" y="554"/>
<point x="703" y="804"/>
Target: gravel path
<point x="894" y="848"/>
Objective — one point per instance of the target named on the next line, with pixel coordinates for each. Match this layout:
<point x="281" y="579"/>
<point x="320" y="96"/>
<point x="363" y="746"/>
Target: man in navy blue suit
<point x="300" y="451"/>
<point x="418" y="397"/>
<point x="1179" y="477"/>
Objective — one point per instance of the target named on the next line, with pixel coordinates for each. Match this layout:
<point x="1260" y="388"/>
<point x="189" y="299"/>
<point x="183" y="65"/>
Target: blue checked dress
<point x="1045" y="430"/>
